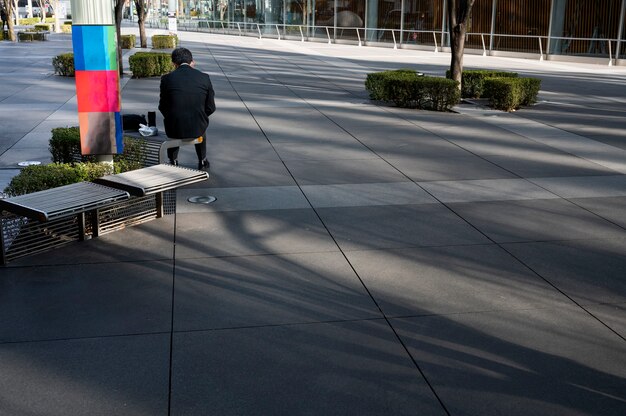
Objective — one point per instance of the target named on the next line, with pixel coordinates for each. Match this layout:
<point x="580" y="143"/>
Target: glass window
<point x="524" y="18"/>
<point x="479" y="23"/>
<point x="421" y="18"/>
<point x="583" y="27"/>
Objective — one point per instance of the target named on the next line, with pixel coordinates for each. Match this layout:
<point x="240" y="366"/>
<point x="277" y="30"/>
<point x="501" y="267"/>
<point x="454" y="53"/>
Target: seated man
<point x="186" y="102"/>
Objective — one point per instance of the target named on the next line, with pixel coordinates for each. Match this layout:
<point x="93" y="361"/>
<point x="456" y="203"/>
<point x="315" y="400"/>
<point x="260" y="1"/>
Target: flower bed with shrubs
<point x="28" y="21"/>
<point x="64" y="146"/>
<point x="63" y="64"/>
<point x="508" y="94"/>
<point x="42" y="177"/>
<point x="150" y="64"/>
<point x="164" y="41"/>
<point x="410" y="89"/>
<point x="43" y="27"/>
<point x="69" y="166"/>
<point x="505" y="90"/>
<point x="472" y="80"/>
<point x="127" y="41"/>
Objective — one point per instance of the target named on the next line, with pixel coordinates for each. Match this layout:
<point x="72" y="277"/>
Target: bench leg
<point x="159" y="204"/>
<point x="95" y="223"/>
<point x="3" y="258"/>
<point x="81" y="226"/>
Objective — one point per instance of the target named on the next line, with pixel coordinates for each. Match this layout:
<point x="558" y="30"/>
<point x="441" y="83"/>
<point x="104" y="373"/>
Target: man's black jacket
<point x="187" y="100"/>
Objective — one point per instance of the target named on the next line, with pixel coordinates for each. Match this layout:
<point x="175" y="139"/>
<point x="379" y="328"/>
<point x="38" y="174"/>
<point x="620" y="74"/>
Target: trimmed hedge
<point x="531" y="90"/>
<point x="164" y="41"/>
<point x="66" y="27"/>
<point x="64" y="146"/>
<point x="42" y="177"/>
<point x="42" y="27"/>
<point x="28" y="21"/>
<point x="509" y="94"/>
<point x="374" y="84"/>
<point x="63" y="64"/>
<point x="127" y="41"/>
<point x="150" y="64"/>
<point x="472" y="81"/>
<point x="410" y="89"/>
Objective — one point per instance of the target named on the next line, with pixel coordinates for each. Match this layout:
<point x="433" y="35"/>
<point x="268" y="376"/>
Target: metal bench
<point x="54" y="206"/>
<point x="156" y="146"/>
<point x="29" y="36"/>
<point x="43" y="220"/>
<point x="153" y="180"/>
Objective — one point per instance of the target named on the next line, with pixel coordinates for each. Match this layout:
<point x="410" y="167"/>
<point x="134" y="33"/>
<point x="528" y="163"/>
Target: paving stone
<point x="268" y="290"/>
<point x="356" y="367"/>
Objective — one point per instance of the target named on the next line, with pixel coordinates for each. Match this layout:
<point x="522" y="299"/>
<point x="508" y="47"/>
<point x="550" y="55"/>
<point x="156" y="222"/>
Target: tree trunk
<point x="42" y="13"/>
<point x="457" y="46"/>
<point x="140" y="7"/>
<point x="10" y="11"/>
<point x="119" y="8"/>
<point x="459" y="12"/>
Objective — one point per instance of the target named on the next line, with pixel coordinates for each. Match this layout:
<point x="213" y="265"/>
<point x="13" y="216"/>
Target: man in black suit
<point x="187" y="100"/>
<point x="3" y="15"/>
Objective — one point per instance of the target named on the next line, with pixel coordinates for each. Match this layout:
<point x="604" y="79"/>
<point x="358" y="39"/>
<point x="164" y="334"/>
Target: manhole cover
<point x="29" y="163"/>
<point x="201" y="199"/>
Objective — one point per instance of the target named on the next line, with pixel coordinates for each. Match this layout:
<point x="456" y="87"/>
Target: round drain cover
<point x="202" y="199"/>
<point x="29" y="163"/>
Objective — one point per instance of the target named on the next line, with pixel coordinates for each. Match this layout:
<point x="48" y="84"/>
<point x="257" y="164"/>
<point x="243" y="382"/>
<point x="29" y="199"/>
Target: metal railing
<point x="437" y="39"/>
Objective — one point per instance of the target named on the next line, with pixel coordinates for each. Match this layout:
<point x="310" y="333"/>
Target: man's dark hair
<point x="181" y="56"/>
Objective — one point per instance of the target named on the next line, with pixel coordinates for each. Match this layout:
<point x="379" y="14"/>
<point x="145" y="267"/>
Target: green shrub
<point x="42" y="177"/>
<point x="127" y="41"/>
<point x="66" y="28"/>
<point x="1" y="34"/>
<point x="409" y="89"/>
<point x="63" y="64"/>
<point x="64" y="146"/>
<point x="50" y="20"/>
<point x="28" y="21"/>
<point x="472" y="81"/>
<point x="505" y="94"/>
<point x="164" y="41"/>
<point x="373" y="81"/>
<point x="441" y="94"/>
<point x="42" y="27"/>
<point x="150" y="64"/>
<point x="531" y="88"/>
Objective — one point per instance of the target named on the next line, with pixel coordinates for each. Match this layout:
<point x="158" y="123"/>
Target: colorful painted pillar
<point x="97" y="77"/>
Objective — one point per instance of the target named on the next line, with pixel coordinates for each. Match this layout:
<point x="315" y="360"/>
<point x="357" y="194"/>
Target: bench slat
<point x="153" y="179"/>
<point x="63" y="201"/>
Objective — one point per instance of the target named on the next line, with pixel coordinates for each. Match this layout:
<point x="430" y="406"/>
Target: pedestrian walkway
<point x="359" y="259"/>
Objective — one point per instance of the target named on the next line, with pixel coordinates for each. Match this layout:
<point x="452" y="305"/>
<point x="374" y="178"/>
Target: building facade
<point x="592" y="29"/>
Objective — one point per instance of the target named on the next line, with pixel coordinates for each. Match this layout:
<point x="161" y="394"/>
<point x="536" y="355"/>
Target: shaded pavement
<point x="359" y="259"/>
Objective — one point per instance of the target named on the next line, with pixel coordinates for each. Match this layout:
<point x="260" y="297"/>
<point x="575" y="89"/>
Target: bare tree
<point x="8" y="6"/>
<point x="118" y="9"/>
<point x="42" y="12"/>
<point x="141" y="8"/>
<point x="459" y="12"/>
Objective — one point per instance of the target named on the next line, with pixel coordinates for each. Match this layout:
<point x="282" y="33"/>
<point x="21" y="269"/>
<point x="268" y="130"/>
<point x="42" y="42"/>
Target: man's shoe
<point x="174" y="162"/>
<point x="204" y="165"/>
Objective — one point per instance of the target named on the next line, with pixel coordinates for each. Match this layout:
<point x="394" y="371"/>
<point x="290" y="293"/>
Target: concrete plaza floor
<point x="359" y="260"/>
